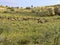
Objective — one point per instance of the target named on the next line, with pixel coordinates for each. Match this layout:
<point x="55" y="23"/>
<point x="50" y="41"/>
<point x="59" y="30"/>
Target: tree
<point x="17" y="7"/>
<point x="31" y="6"/>
<point x="28" y="8"/>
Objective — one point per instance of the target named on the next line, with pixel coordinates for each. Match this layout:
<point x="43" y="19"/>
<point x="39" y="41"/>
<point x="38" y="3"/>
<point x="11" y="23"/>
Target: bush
<point x="50" y="11"/>
<point x="5" y="12"/>
<point x="33" y="11"/>
<point x="1" y="30"/>
<point x="57" y="11"/>
<point x="12" y="9"/>
<point x="28" y="8"/>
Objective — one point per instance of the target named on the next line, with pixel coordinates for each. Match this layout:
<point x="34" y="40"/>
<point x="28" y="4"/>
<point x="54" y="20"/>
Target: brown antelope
<point x="46" y="21"/>
<point x="39" y="20"/>
<point x="25" y="19"/>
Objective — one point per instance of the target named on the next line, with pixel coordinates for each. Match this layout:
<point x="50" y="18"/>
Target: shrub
<point x="50" y="11"/>
<point x="33" y="11"/>
<point x="12" y="9"/>
<point x="1" y="30"/>
<point x="28" y="8"/>
<point x="5" y="12"/>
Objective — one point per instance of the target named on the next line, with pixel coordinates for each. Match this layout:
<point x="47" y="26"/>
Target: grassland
<point x="17" y="29"/>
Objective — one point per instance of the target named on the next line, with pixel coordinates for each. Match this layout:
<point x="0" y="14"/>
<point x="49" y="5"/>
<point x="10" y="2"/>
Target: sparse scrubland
<point x="30" y="25"/>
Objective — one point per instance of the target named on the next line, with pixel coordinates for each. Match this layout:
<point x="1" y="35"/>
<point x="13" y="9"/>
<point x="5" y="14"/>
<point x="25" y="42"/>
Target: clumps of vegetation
<point x="9" y="10"/>
<point x="1" y="30"/>
<point x="46" y="12"/>
<point x="5" y="12"/>
<point x="38" y="11"/>
<point x="28" y="8"/>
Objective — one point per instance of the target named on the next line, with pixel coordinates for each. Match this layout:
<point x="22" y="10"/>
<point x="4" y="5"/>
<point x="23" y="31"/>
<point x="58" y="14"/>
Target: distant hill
<point x="39" y="11"/>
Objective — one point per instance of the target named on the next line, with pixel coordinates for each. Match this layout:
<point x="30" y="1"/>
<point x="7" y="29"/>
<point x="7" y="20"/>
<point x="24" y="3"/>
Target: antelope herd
<point x="39" y="20"/>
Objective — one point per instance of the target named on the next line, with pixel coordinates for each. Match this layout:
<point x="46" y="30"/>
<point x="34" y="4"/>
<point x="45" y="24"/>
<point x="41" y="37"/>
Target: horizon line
<point x="31" y="5"/>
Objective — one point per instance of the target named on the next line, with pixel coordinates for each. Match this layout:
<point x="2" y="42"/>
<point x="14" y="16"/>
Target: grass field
<point x="14" y="30"/>
<point x="30" y="26"/>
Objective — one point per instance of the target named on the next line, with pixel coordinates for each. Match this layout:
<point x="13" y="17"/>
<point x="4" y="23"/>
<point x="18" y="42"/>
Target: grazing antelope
<point x="0" y="17"/>
<point x="13" y="19"/>
<point x="46" y="21"/>
<point x="39" y="20"/>
<point x="9" y="18"/>
<point x="25" y="19"/>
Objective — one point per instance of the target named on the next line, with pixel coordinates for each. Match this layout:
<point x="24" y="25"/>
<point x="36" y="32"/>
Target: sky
<point x="27" y="3"/>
